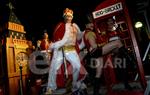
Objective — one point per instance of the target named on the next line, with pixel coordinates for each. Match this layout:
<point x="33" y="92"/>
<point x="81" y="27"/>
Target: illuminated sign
<point x="15" y="27"/>
<point x="108" y="10"/>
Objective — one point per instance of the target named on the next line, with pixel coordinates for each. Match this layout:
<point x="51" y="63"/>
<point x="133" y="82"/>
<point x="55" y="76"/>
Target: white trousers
<point x="57" y="61"/>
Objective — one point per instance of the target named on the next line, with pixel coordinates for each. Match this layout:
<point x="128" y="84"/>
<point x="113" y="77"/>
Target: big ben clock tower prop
<point x="14" y="52"/>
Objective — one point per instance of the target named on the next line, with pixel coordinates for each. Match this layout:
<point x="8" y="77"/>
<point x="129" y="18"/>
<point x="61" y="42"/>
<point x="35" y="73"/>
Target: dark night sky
<point x="37" y="15"/>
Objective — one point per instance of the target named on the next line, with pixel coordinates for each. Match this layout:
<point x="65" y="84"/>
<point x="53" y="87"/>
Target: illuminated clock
<point x="21" y="58"/>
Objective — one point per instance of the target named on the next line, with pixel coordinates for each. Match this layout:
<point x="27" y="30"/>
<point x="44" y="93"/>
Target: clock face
<point x="21" y="58"/>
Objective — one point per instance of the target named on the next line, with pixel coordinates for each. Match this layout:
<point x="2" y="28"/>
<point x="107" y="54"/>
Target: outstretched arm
<point x="79" y="33"/>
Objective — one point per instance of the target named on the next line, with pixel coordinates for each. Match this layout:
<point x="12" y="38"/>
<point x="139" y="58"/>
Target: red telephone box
<point x="117" y="8"/>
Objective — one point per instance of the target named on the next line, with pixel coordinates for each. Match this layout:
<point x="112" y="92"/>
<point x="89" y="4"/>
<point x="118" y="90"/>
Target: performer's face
<point x="30" y="43"/>
<point x="90" y="26"/>
<point x="68" y="18"/>
<point x="45" y="35"/>
<point x="110" y="22"/>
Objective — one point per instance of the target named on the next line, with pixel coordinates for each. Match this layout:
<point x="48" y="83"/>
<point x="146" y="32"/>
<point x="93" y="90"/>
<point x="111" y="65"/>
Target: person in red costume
<point x="45" y="41"/>
<point x="114" y="33"/>
<point x="97" y="47"/>
<point x="64" y="47"/>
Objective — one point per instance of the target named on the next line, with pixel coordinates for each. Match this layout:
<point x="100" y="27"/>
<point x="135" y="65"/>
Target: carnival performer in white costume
<point x="64" y="46"/>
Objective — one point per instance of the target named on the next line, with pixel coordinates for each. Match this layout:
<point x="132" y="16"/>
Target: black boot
<point x="129" y="60"/>
<point x="124" y="52"/>
<point x="96" y="86"/>
<point x="127" y="86"/>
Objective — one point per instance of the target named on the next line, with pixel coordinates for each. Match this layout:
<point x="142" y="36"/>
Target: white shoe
<point x="48" y="92"/>
<point x="83" y="86"/>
